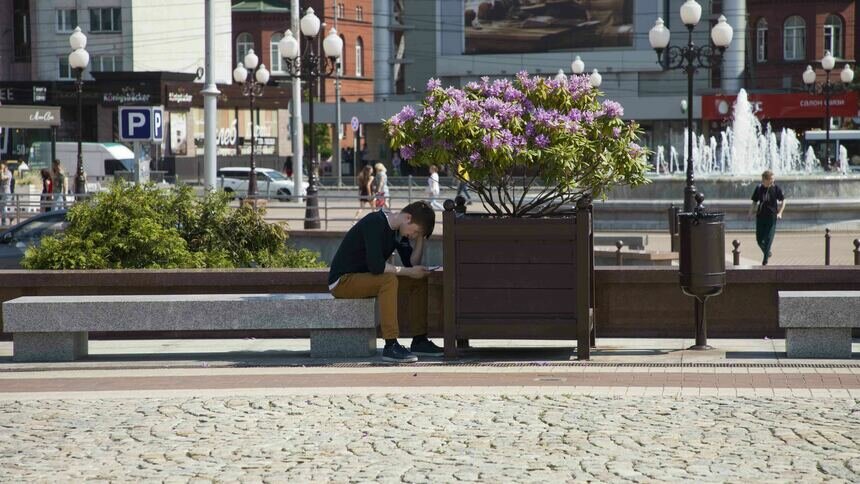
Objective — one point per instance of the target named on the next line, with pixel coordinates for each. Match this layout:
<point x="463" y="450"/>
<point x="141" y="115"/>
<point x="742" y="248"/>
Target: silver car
<point x="270" y="183"/>
<point x="16" y="239"/>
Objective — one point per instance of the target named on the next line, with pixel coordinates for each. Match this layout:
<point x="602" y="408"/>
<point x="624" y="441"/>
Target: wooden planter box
<point x="518" y="278"/>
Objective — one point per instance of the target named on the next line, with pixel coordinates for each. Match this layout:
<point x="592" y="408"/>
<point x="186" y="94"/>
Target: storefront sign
<point x="127" y="96"/>
<point x="33" y="117"/>
<point x="782" y="106"/>
<point x="179" y="98"/>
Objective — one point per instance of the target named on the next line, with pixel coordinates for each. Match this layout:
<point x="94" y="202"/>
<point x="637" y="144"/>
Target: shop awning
<point x="29" y="117"/>
<point x="783" y="106"/>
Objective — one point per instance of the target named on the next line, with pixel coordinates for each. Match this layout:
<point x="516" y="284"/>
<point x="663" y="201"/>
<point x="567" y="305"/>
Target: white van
<point x="101" y="160"/>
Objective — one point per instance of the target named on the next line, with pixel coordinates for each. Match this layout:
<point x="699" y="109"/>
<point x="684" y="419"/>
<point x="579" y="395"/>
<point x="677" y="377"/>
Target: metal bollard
<point x="736" y="252"/>
<point x="618" y="255"/>
<point x="857" y="252"/>
<point x="827" y="247"/>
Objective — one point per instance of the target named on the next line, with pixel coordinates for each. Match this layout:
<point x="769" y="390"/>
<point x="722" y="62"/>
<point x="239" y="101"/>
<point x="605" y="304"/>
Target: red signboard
<point x="782" y="106"/>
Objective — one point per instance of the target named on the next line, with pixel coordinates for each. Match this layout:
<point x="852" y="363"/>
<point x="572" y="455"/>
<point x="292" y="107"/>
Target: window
<point x="359" y="14"/>
<point x="105" y="20"/>
<point x="67" y="20"/>
<point x="359" y="57"/>
<point x="21" y="30"/>
<point x="106" y="63"/>
<point x="761" y="40"/>
<point x="341" y="10"/>
<point x="275" y="63"/>
<point x="244" y="43"/>
<point x="341" y="63"/>
<point x="64" y="69"/>
<point x="833" y="35"/>
<point x="794" y="38"/>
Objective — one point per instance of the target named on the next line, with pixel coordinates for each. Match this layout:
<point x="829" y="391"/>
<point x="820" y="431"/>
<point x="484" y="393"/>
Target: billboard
<point x="782" y="106"/>
<point x="524" y="26"/>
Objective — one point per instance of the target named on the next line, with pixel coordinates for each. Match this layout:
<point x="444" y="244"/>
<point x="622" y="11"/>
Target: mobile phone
<point x="434" y="268"/>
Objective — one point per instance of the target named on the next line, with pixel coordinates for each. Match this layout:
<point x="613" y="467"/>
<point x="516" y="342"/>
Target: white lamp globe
<point x="577" y="66"/>
<point x="595" y="79"/>
<point x="828" y="62"/>
<point x="310" y="23"/>
<point x="809" y="76"/>
<point x="691" y="12"/>
<point x="560" y="77"/>
<point x="262" y="74"/>
<point x="847" y="75"/>
<point x="240" y="74"/>
<point x="79" y="59"/>
<point x="78" y="40"/>
<point x="333" y="44"/>
<point x="659" y="35"/>
<point x="722" y="33"/>
<point x="251" y="60"/>
<point x="288" y="47"/>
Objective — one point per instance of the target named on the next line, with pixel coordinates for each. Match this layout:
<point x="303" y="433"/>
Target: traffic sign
<point x="157" y="124"/>
<point x="354" y="123"/>
<point x="141" y="123"/>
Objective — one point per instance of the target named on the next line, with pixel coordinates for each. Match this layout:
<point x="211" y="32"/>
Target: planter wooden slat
<point x="554" y="230"/>
<point x="547" y="252"/>
<point x="517" y="300"/>
<point x="533" y="328"/>
<point x="537" y="276"/>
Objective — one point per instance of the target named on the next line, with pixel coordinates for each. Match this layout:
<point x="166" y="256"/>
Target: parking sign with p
<point x="139" y="123"/>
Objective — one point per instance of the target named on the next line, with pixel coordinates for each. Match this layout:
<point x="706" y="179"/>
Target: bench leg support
<point x="818" y="342"/>
<point x="32" y="347"/>
<point x="343" y="343"/>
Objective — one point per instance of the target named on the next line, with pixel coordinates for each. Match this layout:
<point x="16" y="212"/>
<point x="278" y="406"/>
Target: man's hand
<point x="779" y="216"/>
<point x="415" y="272"/>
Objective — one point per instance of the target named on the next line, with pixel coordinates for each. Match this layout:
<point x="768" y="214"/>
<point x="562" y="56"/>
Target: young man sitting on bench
<point x="360" y="269"/>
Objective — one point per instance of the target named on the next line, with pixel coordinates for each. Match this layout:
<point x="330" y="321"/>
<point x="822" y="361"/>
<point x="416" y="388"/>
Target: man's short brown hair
<point x="422" y="215"/>
<point x="767" y="174"/>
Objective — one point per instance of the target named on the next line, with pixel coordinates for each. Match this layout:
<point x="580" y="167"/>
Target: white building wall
<point x="168" y="35"/>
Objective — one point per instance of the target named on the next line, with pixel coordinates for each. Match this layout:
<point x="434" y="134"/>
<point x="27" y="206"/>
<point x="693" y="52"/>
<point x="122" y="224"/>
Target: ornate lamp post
<point x="828" y="62"/>
<point x="312" y="67"/>
<point x="690" y="58"/>
<point x="78" y="61"/>
<point x="702" y="267"/>
<point x="252" y="80"/>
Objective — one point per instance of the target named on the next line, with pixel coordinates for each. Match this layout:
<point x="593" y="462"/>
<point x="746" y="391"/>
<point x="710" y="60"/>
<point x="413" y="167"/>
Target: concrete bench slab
<point x="54" y="328"/>
<point x="818" y="324"/>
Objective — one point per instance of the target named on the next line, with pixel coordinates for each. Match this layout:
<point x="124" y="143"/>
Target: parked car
<point x="270" y="183"/>
<point x="16" y="239"/>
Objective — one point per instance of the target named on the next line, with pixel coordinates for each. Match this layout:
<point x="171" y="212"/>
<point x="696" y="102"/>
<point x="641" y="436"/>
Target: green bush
<point x="143" y="227"/>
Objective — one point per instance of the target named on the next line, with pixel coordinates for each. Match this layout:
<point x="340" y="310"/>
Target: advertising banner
<point x="783" y="106"/>
<point x="521" y="26"/>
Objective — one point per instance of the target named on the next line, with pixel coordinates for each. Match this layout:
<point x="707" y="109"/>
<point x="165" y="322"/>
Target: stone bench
<point x="818" y="323"/>
<point x="54" y="328"/>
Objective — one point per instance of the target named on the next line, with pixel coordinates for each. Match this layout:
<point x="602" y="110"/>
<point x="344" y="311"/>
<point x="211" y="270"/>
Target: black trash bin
<point x="702" y="261"/>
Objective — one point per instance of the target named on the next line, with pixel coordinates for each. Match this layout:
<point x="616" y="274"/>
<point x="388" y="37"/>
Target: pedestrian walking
<point x="365" y="189"/>
<point x="47" y="190"/>
<point x="433" y="188"/>
<point x="768" y="205"/>
<point x="463" y="186"/>
<point x="59" y="184"/>
<point x="382" y="194"/>
<point x="5" y="192"/>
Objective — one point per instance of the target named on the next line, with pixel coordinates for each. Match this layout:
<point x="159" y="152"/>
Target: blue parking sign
<point x="135" y="123"/>
<point x="157" y="124"/>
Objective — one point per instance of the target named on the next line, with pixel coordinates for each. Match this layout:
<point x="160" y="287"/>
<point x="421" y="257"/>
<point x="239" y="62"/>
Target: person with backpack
<point x="768" y="203"/>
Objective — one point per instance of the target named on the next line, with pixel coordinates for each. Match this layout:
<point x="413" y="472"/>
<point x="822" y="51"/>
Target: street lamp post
<point x="702" y="234"/>
<point x="690" y="58"/>
<point x="312" y="67"/>
<point x="828" y="62"/>
<point x="252" y="80"/>
<point x="78" y="61"/>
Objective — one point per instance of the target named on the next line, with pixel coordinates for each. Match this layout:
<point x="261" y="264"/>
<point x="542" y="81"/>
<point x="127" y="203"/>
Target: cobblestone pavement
<point x="407" y="437"/>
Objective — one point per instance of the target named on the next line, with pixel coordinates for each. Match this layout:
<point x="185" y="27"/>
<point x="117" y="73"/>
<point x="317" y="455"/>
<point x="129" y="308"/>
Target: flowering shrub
<point x="527" y="146"/>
